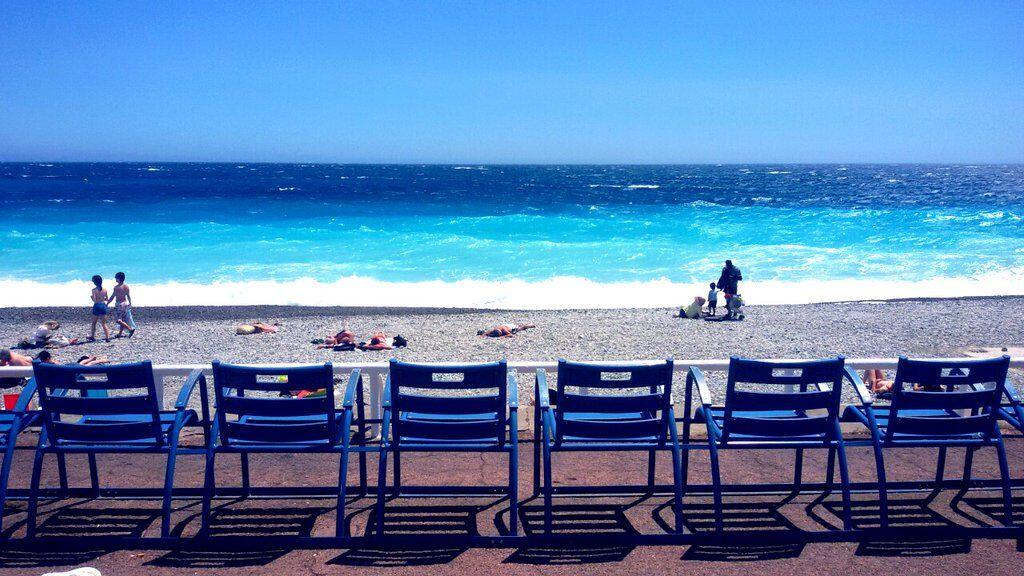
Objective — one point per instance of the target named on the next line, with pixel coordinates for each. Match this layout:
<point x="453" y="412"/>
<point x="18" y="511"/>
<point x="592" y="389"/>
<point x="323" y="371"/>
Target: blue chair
<point x="424" y="412"/>
<point x="755" y="418"/>
<point x="12" y="422"/>
<point x="957" y="404"/>
<point x="633" y="413"/>
<point x="80" y="416"/>
<point x="252" y="417"/>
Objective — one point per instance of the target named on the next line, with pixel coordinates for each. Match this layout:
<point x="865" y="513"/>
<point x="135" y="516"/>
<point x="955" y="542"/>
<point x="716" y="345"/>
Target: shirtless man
<point x="123" y="309"/>
<point x="8" y="358"/>
<point x="504" y="330"/>
<point x="346" y="336"/>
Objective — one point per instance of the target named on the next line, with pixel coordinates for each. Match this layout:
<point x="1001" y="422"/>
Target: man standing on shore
<point x="729" y="281"/>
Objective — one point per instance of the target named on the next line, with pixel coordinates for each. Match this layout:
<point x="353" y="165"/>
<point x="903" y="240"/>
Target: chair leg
<point x="209" y="484"/>
<point x="94" y="476"/>
<point x="1004" y="472"/>
<point x="548" y="489"/>
<point x="652" y="457"/>
<point x="33" y="497"/>
<point x="830" y="471"/>
<point x="5" y="474"/>
<point x="968" y="465"/>
<point x="677" y="498"/>
<point x="844" y="476"/>
<point x="513" y="490"/>
<point x="339" y="528"/>
<point x="716" y="481"/>
<point x="398" y="473"/>
<point x="798" y="470"/>
<point x="382" y="475"/>
<point x="62" y="473"/>
<point x="165" y="521"/>
<point x="246" y="491"/>
<point x="883" y="499"/>
<point x="940" y="466"/>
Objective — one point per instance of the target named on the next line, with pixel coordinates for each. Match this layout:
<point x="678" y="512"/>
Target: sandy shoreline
<point x="946" y="327"/>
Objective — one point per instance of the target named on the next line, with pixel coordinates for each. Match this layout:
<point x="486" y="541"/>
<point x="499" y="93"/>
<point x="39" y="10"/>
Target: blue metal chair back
<point x="968" y="392"/>
<point x="633" y="403"/>
<point x="250" y="410"/>
<point x="78" y="407"/>
<point x="770" y="414"/>
<point x="421" y="413"/>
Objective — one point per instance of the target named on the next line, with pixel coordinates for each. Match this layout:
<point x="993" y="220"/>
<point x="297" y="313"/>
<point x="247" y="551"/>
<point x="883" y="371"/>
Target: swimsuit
<point x="99" y="308"/>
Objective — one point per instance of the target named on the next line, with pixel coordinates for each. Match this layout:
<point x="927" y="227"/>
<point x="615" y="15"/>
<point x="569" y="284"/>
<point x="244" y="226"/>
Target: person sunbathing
<point x="877" y="383"/>
<point x="93" y="360"/>
<point x="504" y="330"/>
<point x="344" y="338"/>
<point x="256" y="328"/>
<point x="379" y="341"/>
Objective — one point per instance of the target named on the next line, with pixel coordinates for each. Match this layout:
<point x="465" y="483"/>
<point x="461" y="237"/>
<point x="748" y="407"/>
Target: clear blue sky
<point x="548" y="82"/>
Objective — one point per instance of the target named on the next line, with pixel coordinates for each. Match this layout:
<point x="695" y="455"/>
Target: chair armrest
<point x="1009" y="390"/>
<point x="355" y="380"/>
<point x="696" y="376"/>
<point x="512" y="393"/>
<point x="543" y="398"/>
<point x="858" y="386"/>
<point x="194" y="377"/>
<point x="26" y="396"/>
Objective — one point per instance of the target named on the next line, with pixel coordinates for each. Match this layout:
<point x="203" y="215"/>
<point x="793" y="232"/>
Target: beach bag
<point x="245" y="329"/>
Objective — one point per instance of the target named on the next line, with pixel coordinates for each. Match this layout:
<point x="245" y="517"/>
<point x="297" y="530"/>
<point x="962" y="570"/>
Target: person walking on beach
<point x="729" y="281"/>
<point x="99" y="308"/>
<point x="123" y="307"/>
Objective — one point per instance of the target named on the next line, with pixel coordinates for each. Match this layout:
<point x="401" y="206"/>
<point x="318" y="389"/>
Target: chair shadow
<point x="216" y="558"/>
<point x="414" y="520"/>
<point x="904" y="512"/>
<point x="990" y="506"/>
<point x="291" y="521"/>
<point x="397" y="556"/>
<point x="38" y="558"/>
<point x="743" y="552"/>
<point x="72" y="521"/>
<point x="909" y="546"/>
<point x="601" y="519"/>
<point x="568" y="555"/>
<point x="737" y="517"/>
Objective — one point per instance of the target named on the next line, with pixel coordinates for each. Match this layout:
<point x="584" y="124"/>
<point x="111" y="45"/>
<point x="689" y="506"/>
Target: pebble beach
<point x="176" y="335"/>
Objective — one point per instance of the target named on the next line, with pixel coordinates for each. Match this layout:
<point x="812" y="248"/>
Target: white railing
<point x="374" y="372"/>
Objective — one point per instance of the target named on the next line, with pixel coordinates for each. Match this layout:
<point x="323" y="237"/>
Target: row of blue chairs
<point x="474" y="408"/>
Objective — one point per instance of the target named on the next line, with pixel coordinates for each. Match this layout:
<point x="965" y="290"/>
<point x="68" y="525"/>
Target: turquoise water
<point x="312" y="228"/>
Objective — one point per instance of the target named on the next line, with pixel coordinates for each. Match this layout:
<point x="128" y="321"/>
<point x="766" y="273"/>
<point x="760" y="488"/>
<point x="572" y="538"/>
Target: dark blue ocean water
<point x="305" y="227"/>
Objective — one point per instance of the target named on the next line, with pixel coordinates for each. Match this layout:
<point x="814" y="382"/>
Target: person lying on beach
<point x="381" y="341"/>
<point x="504" y="330"/>
<point x="344" y="338"/>
<point x="877" y="383"/>
<point x="92" y="360"/>
<point x="256" y="328"/>
<point x="44" y="333"/>
<point x="9" y="358"/>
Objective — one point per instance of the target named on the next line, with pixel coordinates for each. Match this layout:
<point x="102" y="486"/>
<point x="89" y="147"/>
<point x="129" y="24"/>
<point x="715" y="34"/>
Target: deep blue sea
<point x="507" y="236"/>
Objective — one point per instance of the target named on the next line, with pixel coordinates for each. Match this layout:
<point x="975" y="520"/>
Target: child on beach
<point x="99" y="308"/>
<point x="712" y="299"/>
<point x="123" y="307"/>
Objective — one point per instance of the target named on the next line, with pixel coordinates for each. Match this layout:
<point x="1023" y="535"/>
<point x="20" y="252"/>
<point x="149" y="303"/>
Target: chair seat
<point x="166" y="419"/>
<point x="883" y="414"/>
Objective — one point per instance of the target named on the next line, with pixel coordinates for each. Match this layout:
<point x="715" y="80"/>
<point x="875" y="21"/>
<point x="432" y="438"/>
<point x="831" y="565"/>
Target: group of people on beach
<point x="729" y="285"/>
<point x="101" y="300"/>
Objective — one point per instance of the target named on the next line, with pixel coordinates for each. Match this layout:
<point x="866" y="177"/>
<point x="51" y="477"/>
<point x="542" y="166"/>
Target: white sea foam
<point x="564" y="292"/>
<point x="636" y="186"/>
